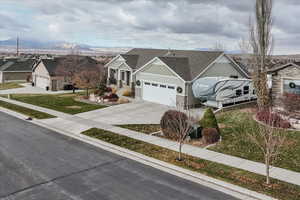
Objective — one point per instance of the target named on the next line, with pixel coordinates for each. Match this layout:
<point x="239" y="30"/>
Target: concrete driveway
<point x="137" y="112"/>
<point x="28" y="89"/>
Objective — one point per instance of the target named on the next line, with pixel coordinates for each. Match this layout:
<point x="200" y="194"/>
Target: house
<point x="16" y="69"/>
<point x="285" y="79"/>
<point x="56" y="74"/>
<point x="166" y="76"/>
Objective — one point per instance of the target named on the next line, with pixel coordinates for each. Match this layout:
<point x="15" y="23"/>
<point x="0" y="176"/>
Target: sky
<point x="175" y="24"/>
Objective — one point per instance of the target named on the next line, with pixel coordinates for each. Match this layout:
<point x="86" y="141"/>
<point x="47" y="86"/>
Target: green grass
<point x="143" y="128"/>
<point x="235" y="141"/>
<point x="12" y="85"/>
<point x="62" y="102"/>
<point x="277" y="189"/>
<point x="25" y="111"/>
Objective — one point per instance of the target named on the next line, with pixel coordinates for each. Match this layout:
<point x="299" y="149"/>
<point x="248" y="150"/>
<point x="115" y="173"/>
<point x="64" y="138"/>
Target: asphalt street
<point x="37" y="163"/>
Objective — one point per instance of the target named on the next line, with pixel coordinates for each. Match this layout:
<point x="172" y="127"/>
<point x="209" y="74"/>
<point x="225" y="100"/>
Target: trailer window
<point x="238" y="92"/>
<point x="246" y="89"/>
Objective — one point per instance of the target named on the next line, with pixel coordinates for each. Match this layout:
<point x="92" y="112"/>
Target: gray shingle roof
<point x="53" y="65"/>
<point x="186" y="63"/>
<point x="178" y="65"/>
<point x="15" y="65"/>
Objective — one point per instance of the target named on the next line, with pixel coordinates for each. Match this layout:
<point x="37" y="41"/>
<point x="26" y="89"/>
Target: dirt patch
<point x="74" y="107"/>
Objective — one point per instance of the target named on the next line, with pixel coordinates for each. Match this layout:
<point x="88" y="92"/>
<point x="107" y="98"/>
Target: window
<point x="171" y="87"/>
<point x="123" y="76"/>
<point x="291" y="86"/>
<point x="146" y="83"/>
<point x="246" y="89"/>
<point x="154" y="84"/>
<point x="163" y="86"/>
<point x="238" y="93"/>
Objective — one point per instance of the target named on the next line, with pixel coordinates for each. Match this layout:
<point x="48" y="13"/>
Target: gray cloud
<point x="151" y="23"/>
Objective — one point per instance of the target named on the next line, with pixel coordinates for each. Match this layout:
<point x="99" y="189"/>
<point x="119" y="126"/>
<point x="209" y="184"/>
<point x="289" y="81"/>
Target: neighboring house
<point x="285" y="79"/>
<point x="166" y="76"/>
<point x="16" y="69"/>
<point x="51" y="74"/>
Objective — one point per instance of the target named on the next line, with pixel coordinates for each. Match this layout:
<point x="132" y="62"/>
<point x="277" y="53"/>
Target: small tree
<point x="209" y="120"/>
<point x="176" y="125"/>
<point x="269" y="140"/>
<point x="87" y="79"/>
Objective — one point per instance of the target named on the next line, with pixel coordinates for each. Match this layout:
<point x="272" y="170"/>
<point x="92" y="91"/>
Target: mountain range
<point x="35" y="44"/>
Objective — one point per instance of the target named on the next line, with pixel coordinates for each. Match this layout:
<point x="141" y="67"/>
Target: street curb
<point x="230" y="189"/>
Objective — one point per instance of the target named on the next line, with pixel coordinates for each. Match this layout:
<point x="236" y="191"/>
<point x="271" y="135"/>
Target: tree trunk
<point x="260" y="83"/>
<point x="179" y="155"/>
<point x="267" y="162"/>
<point x="87" y="92"/>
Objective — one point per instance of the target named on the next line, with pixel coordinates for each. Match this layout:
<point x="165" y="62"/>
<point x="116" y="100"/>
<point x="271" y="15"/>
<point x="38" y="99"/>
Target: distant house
<point x="53" y="74"/>
<point x="16" y="69"/>
<point x="166" y="76"/>
<point x="285" y="79"/>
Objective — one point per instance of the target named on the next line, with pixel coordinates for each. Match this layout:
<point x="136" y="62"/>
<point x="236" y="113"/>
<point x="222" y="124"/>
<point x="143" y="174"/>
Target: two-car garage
<point x="159" y="93"/>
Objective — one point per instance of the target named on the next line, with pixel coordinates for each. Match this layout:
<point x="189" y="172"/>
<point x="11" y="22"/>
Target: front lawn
<point x="277" y="189"/>
<point x="12" y="85"/>
<point x="143" y="128"/>
<point x="234" y="126"/>
<point x="25" y="111"/>
<point x="63" y="102"/>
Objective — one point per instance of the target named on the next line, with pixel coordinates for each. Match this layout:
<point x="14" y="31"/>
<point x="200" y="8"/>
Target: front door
<point x="54" y="85"/>
<point x="128" y="78"/>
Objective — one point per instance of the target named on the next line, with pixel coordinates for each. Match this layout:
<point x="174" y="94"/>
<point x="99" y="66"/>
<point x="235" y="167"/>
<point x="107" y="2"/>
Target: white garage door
<point x="41" y="82"/>
<point x="159" y="93"/>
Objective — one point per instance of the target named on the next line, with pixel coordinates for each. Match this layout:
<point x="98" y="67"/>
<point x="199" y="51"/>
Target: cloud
<point x="184" y="24"/>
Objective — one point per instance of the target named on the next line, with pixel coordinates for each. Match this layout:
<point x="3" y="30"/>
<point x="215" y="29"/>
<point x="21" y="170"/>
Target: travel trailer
<point x="220" y="92"/>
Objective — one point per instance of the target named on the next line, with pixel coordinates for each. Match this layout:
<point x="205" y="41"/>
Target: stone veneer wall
<point x="277" y="82"/>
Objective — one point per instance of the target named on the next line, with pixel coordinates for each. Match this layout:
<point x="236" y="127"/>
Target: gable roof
<point x="54" y="65"/>
<point x="188" y="64"/>
<point x="137" y="58"/>
<point x="281" y="67"/>
<point x="17" y="65"/>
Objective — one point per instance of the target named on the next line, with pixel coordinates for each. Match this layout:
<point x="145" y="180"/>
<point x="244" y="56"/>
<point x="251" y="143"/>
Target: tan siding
<point x="41" y="71"/>
<point x="221" y="69"/>
<point x="277" y="82"/>
<point x="158" y="68"/>
<point x="15" y="76"/>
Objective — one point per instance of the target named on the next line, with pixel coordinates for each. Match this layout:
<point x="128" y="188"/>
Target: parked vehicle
<point x="219" y="92"/>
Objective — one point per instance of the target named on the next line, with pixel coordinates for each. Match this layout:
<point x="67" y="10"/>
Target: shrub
<point x="127" y="93"/>
<point x="290" y="102"/>
<point x="172" y="115"/>
<point x="209" y="120"/>
<point x="210" y="135"/>
<point x="272" y="119"/>
<point x="112" y="97"/>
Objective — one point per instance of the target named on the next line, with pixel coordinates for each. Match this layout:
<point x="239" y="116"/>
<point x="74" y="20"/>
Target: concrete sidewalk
<point x="76" y="125"/>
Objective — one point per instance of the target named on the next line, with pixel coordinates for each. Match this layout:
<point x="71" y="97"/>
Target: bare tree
<point x="245" y="46"/>
<point x="88" y="79"/>
<point x="75" y="68"/>
<point x="218" y="46"/>
<point x="177" y="124"/>
<point x="262" y="44"/>
<point x="269" y="140"/>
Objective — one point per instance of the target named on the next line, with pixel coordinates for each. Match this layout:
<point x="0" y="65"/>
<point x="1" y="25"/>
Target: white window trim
<point x="286" y="78"/>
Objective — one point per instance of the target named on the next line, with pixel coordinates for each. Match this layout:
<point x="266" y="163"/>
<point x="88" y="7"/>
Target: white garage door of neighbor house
<point x="159" y="93"/>
<point x="42" y="82"/>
